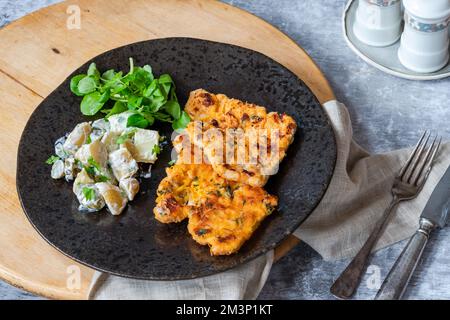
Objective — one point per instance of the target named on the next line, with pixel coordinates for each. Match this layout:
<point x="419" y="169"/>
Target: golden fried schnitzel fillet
<point x="222" y="214"/>
<point x="233" y="156"/>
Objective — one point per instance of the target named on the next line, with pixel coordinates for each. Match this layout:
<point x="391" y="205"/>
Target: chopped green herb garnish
<point x="78" y="164"/>
<point x="88" y="193"/>
<point x="102" y="178"/>
<point x="171" y="162"/>
<point x="52" y="160"/>
<point x="201" y="232"/>
<point x="90" y="170"/>
<point x="95" y="171"/>
<point x="88" y="140"/>
<point x="255" y="118"/>
<point x="122" y="139"/>
<point x="229" y="192"/>
<point x="128" y="134"/>
<point x="149" y="97"/>
<point x="156" y="149"/>
<point x="270" y="208"/>
<point x="94" y="163"/>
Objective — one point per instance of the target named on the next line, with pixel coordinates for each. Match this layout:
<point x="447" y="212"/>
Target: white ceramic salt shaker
<point x="425" y="41"/>
<point x="378" y="22"/>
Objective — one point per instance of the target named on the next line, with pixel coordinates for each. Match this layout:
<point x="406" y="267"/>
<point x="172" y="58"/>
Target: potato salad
<point x="104" y="158"/>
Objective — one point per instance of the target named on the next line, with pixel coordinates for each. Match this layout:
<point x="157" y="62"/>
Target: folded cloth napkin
<point x="358" y="194"/>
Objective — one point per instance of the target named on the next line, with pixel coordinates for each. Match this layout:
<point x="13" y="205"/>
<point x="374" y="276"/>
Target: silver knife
<point x="433" y="216"/>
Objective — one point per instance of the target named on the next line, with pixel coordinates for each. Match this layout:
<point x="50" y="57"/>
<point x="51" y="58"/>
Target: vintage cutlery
<point x="406" y="186"/>
<point x="434" y="215"/>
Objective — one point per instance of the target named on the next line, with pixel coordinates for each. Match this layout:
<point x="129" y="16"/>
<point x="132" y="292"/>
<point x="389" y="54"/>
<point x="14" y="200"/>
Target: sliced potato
<point x="83" y="178"/>
<point x="101" y="124"/>
<point x="70" y="168"/>
<point x="122" y="164"/>
<point x="130" y="186"/>
<point x="95" y="150"/>
<point x="145" y="143"/>
<point x="57" y="170"/>
<point x="77" y="137"/>
<point x="109" y="175"/>
<point x="99" y="128"/>
<point x="89" y="197"/>
<point x="129" y="145"/>
<point x="109" y="139"/>
<point x="118" y="122"/>
<point x="113" y="196"/>
<point x="59" y="148"/>
<point x="96" y="135"/>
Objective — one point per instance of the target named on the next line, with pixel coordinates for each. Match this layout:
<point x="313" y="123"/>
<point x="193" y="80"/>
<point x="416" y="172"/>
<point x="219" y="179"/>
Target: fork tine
<point x="411" y="156"/>
<point x="423" y="161"/>
<point x="427" y="165"/>
<point x="416" y="159"/>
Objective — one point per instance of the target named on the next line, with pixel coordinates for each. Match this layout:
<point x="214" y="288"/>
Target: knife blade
<point x="437" y="207"/>
<point x="433" y="215"/>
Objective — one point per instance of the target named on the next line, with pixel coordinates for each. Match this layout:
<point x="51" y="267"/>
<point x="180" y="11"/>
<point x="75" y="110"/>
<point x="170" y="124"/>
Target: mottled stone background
<point x="387" y="113"/>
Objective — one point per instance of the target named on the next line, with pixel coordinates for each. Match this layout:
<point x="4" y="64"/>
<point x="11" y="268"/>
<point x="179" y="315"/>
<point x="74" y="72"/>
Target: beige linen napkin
<point x="357" y="196"/>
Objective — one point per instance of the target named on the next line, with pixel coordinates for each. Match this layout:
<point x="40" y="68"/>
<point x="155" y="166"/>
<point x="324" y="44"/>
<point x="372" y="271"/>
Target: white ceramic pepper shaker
<point x="425" y="42"/>
<point x="378" y="22"/>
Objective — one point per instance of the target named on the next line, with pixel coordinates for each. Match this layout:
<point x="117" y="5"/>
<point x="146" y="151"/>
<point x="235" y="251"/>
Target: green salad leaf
<point x="87" y="85"/>
<point x="182" y="122"/>
<point x="149" y="97"/>
<point x="173" y="108"/>
<point x="93" y="102"/>
<point x="137" y="120"/>
<point x="93" y="71"/>
<point x="118" y="107"/>
<point x="74" y="84"/>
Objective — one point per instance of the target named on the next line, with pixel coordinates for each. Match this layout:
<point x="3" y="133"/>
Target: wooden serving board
<point x="39" y="51"/>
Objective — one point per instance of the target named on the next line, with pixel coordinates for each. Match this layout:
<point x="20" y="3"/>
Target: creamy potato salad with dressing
<point x="102" y="157"/>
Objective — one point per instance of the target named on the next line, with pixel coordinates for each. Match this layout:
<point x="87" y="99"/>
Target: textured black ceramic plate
<point x="134" y="244"/>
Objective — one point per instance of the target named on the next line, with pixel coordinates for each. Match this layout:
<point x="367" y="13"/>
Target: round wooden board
<point x="39" y="51"/>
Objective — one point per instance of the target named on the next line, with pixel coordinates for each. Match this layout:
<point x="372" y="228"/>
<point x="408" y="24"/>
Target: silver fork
<point x="406" y="186"/>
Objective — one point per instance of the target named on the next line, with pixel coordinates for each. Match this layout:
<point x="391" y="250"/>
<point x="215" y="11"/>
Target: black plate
<point x="134" y="244"/>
